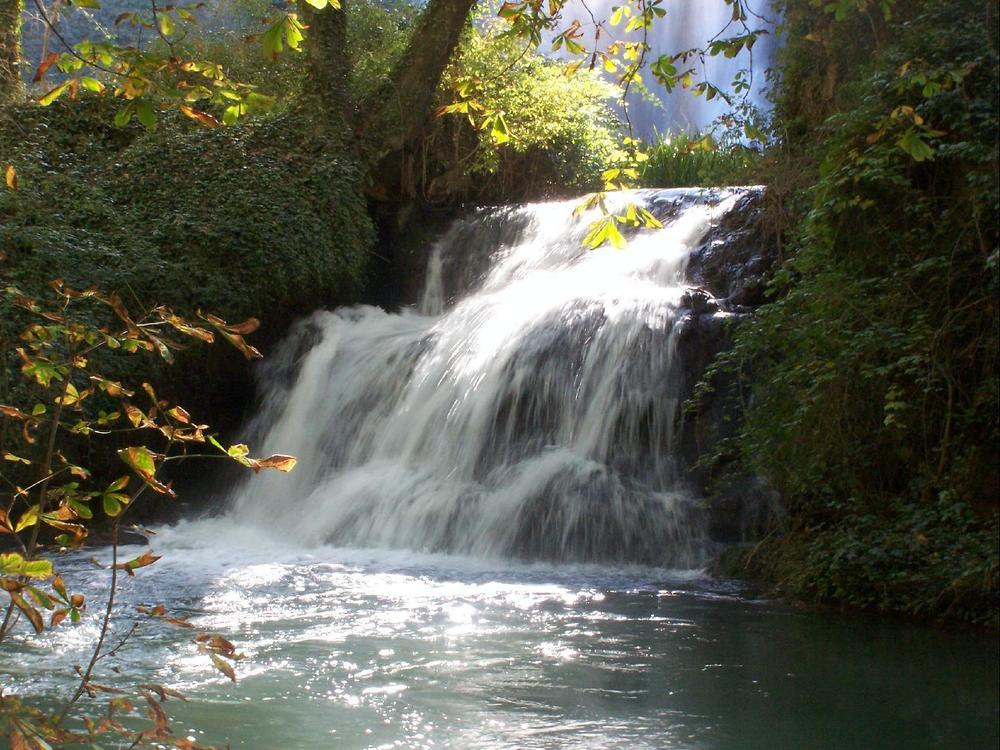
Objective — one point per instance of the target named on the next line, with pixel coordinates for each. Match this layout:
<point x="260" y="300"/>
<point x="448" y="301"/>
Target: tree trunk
<point x="326" y="89"/>
<point x="395" y="116"/>
<point x="10" y="50"/>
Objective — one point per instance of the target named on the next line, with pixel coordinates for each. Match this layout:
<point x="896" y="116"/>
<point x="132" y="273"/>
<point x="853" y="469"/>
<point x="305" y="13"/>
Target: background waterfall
<point x="690" y="24"/>
<point x="527" y="408"/>
<point x="687" y="24"/>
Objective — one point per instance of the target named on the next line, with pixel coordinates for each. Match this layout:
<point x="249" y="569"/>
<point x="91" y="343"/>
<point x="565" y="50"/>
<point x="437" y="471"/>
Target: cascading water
<point x="526" y="408"/>
<point x="690" y="25"/>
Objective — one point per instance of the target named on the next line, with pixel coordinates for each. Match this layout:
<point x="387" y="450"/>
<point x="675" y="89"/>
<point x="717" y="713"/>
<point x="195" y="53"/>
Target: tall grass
<point x="683" y="160"/>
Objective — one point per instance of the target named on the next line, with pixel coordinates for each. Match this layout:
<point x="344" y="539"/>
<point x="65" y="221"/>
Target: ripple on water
<point x="355" y="649"/>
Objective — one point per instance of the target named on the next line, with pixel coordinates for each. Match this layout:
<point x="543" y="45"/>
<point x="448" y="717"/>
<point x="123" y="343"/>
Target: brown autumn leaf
<point x="198" y="116"/>
<point x="116" y="304"/>
<point x="158" y="715"/>
<point x="64" y="291"/>
<point x="138" y="418"/>
<point x="168" y="316"/>
<point x="19" y="742"/>
<point x="146" y="558"/>
<point x="277" y="461"/>
<point x="223" y="666"/>
<point x="180" y="414"/>
<point x="151" y="392"/>
<point x="217" y="643"/>
<point x="111" y="387"/>
<point x="13" y="413"/>
<point x="57" y="617"/>
<point x="234" y="333"/>
<point x="30" y="612"/>
<point x="245" y="328"/>
<point x="78" y="531"/>
<point x="191" y="435"/>
<point x="104" y="688"/>
<point x="163" y="692"/>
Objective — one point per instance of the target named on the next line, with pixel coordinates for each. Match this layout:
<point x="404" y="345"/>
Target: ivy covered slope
<point x="260" y="220"/>
<point x="874" y="403"/>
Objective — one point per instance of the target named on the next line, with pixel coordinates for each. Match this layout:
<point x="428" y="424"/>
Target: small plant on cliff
<point x="48" y="497"/>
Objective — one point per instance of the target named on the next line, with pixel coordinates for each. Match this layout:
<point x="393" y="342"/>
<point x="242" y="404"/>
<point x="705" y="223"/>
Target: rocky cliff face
<point x="729" y="272"/>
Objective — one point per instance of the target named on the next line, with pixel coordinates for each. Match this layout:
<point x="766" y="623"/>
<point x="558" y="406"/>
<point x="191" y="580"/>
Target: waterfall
<point x="690" y="24"/>
<point x="526" y="407"/>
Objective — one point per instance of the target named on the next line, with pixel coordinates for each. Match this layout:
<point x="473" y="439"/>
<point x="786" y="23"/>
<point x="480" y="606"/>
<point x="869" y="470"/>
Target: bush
<point x="562" y="129"/>
<point x="875" y="394"/>
<point x="256" y="220"/>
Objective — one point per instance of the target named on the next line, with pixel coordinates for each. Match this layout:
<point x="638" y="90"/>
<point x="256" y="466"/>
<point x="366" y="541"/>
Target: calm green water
<point x="376" y="649"/>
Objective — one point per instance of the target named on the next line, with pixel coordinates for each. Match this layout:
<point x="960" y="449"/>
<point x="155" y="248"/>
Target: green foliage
<point x="682" y="160"/>
<point x="46" y="497"/>
<point x="513" y="125"/>
<point x="377" y="35"/>
<point x="259" y="220"/>
<point x="621" y="43"/>
<point x="157" y="58"/>
<point x="874" y="408"/>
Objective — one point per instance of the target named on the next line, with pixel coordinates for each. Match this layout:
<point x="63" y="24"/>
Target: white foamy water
<point x="527" y="409"/>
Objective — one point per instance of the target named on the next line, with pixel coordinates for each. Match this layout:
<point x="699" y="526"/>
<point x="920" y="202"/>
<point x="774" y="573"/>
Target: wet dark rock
<point x="699" y="302"/>
<point x="735" y="260"/>
<point x="730" y="268"/>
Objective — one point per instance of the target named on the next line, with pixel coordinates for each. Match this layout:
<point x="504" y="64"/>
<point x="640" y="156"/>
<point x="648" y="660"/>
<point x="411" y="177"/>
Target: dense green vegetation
<point x="558" y="133"/>
<point x="873" y="394"/>
<point x="561" y="129"/>
<point x="683" y="160"/>
<point x="261" y="220"/>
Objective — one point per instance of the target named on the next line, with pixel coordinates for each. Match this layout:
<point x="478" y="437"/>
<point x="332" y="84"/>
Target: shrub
<point x="682" y="160"/>
<point x="874" y="405"/>
<point x="562" y="128"/>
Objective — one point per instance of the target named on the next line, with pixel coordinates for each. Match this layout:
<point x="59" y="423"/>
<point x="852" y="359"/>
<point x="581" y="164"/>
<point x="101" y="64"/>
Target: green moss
<point x="243" y="221"/>
<point x="262" y="220"/>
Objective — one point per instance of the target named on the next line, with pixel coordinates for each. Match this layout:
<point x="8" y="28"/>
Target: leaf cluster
<point x="45" y="502"/>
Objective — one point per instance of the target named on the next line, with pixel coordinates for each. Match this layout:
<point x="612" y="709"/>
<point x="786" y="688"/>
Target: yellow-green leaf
<point x="37" y="569"/>
<point x="54" y="94"/>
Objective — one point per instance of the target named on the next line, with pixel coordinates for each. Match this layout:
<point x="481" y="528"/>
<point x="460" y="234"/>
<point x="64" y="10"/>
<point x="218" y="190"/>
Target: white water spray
<point x="527" y="409"/>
